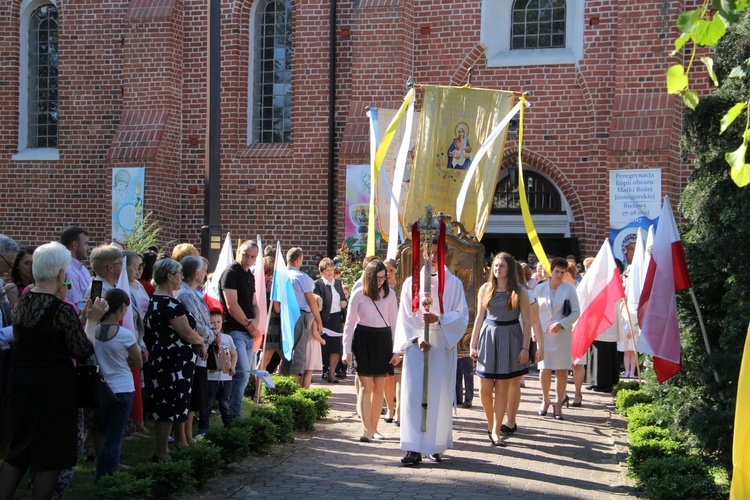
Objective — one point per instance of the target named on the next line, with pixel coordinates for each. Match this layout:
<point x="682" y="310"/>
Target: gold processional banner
<point x="454" y="123"/>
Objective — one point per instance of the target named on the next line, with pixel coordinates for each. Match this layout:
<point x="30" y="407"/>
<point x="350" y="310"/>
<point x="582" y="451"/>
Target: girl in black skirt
<point x="368" y="334"/>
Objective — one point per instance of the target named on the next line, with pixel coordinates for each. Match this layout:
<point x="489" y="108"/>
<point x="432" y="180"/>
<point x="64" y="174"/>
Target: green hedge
<point x="234" y="442"/>
<point x="205" y="460"/>
<point x="167" y="478"/>
<point x="676" y="477"/>
<point x="261" y="433"/>
<point x="630" y="385"/>
<point x="320" y="397"/>
<point x="124" y="485"/>
<point x="627" y="398"/>
<point x="651" y="442"/>
<point x="281" y="416"/>
<point x="303" y="409"/>
<point x="641" y="415"/>
<point x="285" y="386"/>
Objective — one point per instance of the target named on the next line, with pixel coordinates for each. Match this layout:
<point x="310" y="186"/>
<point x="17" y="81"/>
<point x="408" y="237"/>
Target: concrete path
<point x="579" y="457"/>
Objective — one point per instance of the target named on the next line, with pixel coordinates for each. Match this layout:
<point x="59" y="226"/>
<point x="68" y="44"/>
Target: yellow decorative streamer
<point x="536" y="244"/>
<point x="385" y="143"/>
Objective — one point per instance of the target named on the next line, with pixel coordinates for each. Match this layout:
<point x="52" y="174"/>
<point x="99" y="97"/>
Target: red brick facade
<point x="133" y="92"/>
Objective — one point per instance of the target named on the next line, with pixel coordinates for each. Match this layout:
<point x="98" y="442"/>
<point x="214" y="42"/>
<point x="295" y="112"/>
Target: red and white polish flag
<point x="657" y="309"/>
<point x="598" y="291"/>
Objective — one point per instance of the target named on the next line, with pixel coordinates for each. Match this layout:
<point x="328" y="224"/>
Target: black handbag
<point x="214" y="361"/>
<point x="92" y="388"/>
<point x="566" y="308"/>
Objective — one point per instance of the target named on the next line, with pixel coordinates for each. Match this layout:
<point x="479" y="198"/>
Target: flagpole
<point x="263" y="352"/>
<point x="703" y="331"/>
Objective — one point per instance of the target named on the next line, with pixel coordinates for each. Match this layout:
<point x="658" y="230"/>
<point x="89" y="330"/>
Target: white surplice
<point x="442" y="365"/>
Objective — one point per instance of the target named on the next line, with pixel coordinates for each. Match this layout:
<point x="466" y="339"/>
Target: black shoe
<point x="435" y="457"/>
<point x="466" y="404"/>
<point x="330" y="379"/>
<point x="508" y="430"/>
<point x="497" y="442"/>
<point x="325" y="376"/>
<point x="576" y="404"/>
<point x="340" y="375"/>
<point x="388" y="420"/>
<point x="411" y="458"/>
<point x="397" y="422"/>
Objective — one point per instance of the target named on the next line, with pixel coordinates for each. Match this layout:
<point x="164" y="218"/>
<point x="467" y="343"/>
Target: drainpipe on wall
<point x="331" y="250"/>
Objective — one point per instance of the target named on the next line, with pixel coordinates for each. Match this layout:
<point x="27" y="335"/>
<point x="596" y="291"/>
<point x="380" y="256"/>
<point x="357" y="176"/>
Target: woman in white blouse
<point x="558" y="310"/>
<point x="368" y="334"/>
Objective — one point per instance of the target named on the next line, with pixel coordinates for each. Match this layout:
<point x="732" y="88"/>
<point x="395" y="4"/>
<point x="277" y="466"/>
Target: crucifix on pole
<point x="426" y="228"/>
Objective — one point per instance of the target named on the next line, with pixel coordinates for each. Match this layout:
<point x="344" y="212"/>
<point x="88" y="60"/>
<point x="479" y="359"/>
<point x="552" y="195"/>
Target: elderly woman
<point x="106" y="261"/>
<point x="194" y="270"/>
<point x="334" y="302"/>
<point x="20" y="274"/>
<point x="500" y="343"/>
<point x="48" y="335"/>
<point x="170" y="330"/>
<point x="558" y="310"/>
<point x="368" y="334"/>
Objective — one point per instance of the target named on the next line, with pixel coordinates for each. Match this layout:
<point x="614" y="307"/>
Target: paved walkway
<point x="579" y="457"/>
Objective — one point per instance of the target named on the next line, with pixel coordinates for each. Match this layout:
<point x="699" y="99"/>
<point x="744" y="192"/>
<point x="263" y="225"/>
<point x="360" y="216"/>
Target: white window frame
<point x="25" y="153"/>
<point x="497" y="18"/>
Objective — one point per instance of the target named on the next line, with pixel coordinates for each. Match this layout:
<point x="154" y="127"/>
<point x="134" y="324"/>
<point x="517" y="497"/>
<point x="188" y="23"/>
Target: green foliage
<point x="711" y="25"/>
<point x="204" y="457"/>
<point x="234" y="442"/>
<point x="320" y="397"/>
<point x="631" y="385"/>
<point x="285" y="386"/>
<point x="281" y="416"/>
<point x="641" y="415"/>
<point x="348" y="264"/>
<point x="648" y="442"/>
<point x="627" y="398"/>
<point x="303" y="410"/>
<point x="261" y="431"/>
<point x="676" y="477"/>
<point x="123" y="485"/>
<point x="145" y="231"/>
<point x="167" y="478"/>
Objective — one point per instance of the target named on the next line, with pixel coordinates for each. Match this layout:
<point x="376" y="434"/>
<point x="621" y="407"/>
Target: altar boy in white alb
<point x="446" y="330"/>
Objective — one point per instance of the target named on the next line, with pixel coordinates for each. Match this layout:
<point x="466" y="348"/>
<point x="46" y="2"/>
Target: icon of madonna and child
<point x="459" y="152"/>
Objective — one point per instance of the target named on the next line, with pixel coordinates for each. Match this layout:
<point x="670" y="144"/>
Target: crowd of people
<point x="55" y="315"/>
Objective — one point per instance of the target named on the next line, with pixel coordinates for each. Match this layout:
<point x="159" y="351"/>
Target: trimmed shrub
<point x="303" y="411"/>
<point x="676" y="477"/>
<point x="167" y="478"/>
<point x="234" y="442"/>
<point x="630" y="385"/>
<point x="627" y="398"/>
<point x="320" y="397"/>
<point x="123" y="485"/>
<point x="204" y="457"/>
<point x="641" y="415"/>
<point x="650" y="442"/>
<point x="285" y="386"/>
<point x="261" y="430"/>
<point x="279" y="415"/>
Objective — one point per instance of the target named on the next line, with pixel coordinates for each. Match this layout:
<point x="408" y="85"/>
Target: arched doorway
<point x="549" y="209"/>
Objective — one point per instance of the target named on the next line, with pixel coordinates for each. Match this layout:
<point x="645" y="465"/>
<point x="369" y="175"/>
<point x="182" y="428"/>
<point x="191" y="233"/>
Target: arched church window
<point x="541" y="194"/>
<point x="42" y="112"/>
<point x="272" y="73"/>
<point x="538" y="24"/>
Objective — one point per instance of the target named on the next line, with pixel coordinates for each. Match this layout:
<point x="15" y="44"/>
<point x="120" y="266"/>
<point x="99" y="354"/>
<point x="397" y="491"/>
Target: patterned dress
<point x="500" y="341"/>
<point x="172" y="361"/>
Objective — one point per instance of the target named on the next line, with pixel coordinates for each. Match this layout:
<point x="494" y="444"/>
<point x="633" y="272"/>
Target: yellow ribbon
<point x="536" y="244"/>
<point x="385" y="143"/>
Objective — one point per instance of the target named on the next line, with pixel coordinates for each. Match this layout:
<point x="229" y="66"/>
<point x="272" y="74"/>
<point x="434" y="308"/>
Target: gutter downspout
<point x="331" y="251"/>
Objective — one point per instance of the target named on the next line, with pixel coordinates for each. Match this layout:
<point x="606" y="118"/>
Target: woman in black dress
<point x="42" y="389"/>
<point x="368" y="334"/>
<point x="170" y="331"/>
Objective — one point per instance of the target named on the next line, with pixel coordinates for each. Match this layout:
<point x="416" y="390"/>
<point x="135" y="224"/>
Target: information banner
<point x="127" y="200"/>
<point x="634" y="202"/>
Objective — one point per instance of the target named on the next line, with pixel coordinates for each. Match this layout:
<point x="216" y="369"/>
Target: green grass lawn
<point x="134" y="452"/>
